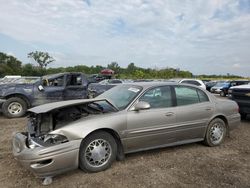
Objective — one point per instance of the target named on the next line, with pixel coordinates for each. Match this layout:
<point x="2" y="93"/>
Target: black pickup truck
<point x="16" y="98"/>
<point x="241" y="94"/>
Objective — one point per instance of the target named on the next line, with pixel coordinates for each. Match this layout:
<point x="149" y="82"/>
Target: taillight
<point x="238" y="109"/>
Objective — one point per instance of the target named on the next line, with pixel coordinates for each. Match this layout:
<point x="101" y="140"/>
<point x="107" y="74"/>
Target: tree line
<point x="10" y="65"/>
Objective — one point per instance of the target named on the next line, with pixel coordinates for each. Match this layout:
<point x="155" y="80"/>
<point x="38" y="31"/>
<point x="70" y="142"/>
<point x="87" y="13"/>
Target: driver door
<point x="52" y="92"/>
<point x="149" y="128"/>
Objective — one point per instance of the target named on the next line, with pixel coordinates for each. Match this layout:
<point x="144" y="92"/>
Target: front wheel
<point x="97" y="152"/>
<point x="222" y="94"/>
<point x="216" y="132"/>
<point x="14" y="107"/>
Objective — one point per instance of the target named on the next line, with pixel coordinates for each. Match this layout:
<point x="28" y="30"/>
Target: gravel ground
<point x="192" y="165"/>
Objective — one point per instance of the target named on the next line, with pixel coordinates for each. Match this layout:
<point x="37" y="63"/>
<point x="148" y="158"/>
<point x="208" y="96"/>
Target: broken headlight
<point x="55" y="139"/>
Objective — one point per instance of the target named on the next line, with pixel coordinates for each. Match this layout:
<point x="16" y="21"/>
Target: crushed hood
<point x="62" y="104"/>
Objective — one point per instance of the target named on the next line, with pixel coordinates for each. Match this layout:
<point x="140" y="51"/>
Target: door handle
<point x="208" y="109"/>
<point x="169" y="114"/>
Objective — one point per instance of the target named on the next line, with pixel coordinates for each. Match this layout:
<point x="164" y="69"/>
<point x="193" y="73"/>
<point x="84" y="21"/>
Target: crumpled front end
<point x="41" y="149"/>
<point x="45" y="161"/>
<point x="44" y="153"/>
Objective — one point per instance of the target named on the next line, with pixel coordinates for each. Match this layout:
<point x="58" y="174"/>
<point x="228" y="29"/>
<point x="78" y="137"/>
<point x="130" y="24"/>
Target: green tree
<point x="30" y="70"/>
<point x="9" y="65"/>
<point x="114" y="66"/>
<point x="131" y="68"/>
<point x="139" y="74"/>
<point x="42" y="58"/>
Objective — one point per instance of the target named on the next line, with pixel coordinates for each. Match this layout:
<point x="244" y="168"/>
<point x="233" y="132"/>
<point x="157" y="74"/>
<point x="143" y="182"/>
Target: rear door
<point x="150" y="128"/>
<point x="193" y="111"/>
<point x="76" y="87"/>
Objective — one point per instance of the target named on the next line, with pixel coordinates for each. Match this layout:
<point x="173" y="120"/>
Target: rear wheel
<point x="97" y="152"/>
<point x="216" y="132"/>
<point x="14" y="107"/>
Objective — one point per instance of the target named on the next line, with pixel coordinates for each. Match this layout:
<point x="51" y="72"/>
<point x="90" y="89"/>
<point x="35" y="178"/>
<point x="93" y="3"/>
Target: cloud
<point x="236" y="65"/>
<point x="200" y="36"/>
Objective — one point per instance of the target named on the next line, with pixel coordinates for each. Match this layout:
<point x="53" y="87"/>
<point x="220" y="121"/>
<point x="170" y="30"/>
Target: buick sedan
<point x="92" y="133"/>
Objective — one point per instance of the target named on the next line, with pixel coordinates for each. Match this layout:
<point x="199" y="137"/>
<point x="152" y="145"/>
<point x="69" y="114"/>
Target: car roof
<point x="146" y="85"/>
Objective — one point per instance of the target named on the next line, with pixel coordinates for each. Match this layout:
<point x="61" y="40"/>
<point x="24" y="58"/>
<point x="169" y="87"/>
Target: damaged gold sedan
<point x="92" y="133"/>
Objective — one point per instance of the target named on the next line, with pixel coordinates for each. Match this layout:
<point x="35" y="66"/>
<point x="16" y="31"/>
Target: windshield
<point x="224" y="84"/>
<point x="121" y="96"/>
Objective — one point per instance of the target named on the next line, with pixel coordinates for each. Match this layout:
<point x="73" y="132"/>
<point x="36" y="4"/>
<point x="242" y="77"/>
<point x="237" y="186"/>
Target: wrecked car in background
<point x="92" y="133"/>
<point x="223" y="87"/>
<point x="96" y="89"/>
<point x="241" y="95"/>
<point x="17" y="97"/>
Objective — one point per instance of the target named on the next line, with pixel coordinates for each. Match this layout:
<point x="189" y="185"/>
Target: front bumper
<point x="217" y="91"/>
<point x="46" y="161"/>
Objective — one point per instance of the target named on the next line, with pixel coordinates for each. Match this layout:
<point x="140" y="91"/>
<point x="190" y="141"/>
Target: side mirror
<point x="40" y="88"/>
<point x="142" y="105"/>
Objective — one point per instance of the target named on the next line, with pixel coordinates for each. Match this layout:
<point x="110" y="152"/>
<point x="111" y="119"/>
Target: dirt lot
<point x="192" y="165"/>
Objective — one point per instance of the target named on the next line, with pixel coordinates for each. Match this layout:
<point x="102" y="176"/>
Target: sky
<point x="201" y="36"/>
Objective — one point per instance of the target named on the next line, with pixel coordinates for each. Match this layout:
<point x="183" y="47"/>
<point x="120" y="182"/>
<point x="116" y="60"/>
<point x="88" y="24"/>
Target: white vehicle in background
<point x="191" y="81"/>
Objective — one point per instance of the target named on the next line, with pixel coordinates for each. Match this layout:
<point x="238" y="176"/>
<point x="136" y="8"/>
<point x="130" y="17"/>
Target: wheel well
<point x="20" y="96"/>
<point x="225" y="121"/>
<point x="120" y="152"/>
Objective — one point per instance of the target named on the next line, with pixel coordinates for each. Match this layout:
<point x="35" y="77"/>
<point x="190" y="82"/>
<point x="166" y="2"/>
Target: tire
<point x="14" y="107"/>
<point x="90" y="159"/>
<point x="222" y="94"/>
<point x="216" y="132"/>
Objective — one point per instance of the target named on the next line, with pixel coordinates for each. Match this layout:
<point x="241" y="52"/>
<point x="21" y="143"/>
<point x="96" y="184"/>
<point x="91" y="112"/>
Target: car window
<point x="104" y="82"/>
<point x="74" y="80"/>
<point x="186" y="95"/>
<point x="58" y="82"/>
<point x="202" y="96"/>
<point x="193" y="82"/>
<point x="115" y="81"/>
<point x="159" y="97"/>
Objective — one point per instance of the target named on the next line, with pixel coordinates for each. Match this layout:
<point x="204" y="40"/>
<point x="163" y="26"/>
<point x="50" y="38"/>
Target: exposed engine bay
<point x="39" y="125"/>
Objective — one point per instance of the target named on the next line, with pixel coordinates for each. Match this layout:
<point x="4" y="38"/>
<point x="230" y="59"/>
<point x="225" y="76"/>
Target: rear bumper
<point x="46" y="161"/>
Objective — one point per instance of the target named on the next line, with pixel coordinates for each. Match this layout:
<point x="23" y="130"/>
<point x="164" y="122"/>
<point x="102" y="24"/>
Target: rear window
<point x="193" y="82"/>
<point x="202" y="96"/>
<point x="188" y="95"/>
